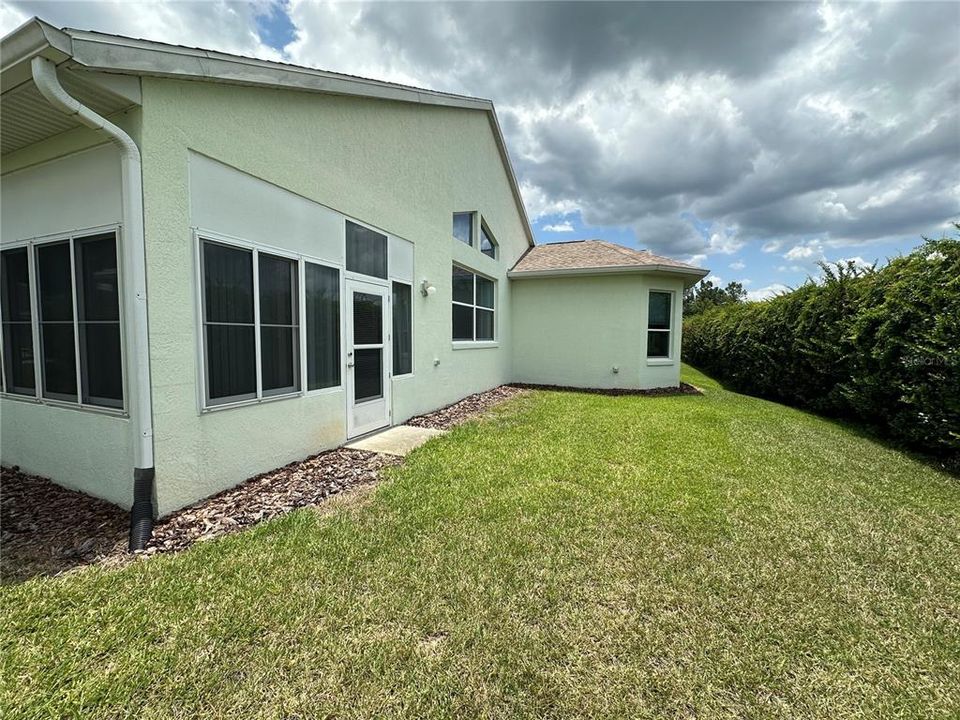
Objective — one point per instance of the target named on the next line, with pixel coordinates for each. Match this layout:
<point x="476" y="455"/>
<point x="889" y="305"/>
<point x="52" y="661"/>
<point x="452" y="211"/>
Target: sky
<point x="755" y="139"/>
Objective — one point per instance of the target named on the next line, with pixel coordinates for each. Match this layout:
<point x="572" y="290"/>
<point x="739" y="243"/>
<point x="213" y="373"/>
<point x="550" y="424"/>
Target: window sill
<point x="66" y="405"/>
<point x="660" y="361"/>
<point x="475" y="344"/>
<point x="251" y="402"/>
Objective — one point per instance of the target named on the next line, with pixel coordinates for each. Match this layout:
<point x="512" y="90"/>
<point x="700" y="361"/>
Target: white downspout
<point x="134" y="257"/>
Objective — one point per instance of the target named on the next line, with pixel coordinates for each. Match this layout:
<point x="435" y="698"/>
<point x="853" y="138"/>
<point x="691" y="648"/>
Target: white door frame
<point x="373" y="413"/>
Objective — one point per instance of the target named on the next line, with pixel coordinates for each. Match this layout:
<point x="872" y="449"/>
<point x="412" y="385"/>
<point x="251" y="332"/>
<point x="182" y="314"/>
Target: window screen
<point x="15" y="312"/>
<point x="231" y="325"/>
<point x="229" y="322"/>
<point x="98" y="314"/>
<point x="323" y="326"/>
<point x="402" y="329"/>
<point x="366" y="251"/>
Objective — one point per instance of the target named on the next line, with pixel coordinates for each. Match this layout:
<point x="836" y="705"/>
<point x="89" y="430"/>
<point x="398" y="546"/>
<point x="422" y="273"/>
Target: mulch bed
<point x="683" y="389"/>
<point x="47" y="529"/>
<point x="466" y="409"/>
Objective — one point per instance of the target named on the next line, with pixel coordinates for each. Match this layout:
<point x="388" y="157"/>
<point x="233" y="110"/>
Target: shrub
<point x="880" y="346"/>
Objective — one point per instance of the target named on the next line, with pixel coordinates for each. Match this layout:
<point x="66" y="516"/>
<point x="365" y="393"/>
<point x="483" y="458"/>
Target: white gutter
<point x="134" y="257"/>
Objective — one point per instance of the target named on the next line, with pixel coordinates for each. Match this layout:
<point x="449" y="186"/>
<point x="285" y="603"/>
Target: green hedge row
<point x="880" y="346"/>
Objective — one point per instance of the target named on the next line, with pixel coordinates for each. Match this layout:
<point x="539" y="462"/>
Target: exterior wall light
<point x="426" y="288"/>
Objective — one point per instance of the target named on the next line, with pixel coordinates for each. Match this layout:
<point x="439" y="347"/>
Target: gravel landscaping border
<point x="48" y="529"/>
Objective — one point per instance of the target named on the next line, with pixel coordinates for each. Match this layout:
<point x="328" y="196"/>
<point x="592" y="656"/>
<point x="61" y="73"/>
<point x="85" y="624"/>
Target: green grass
<point x="574" y="556"/>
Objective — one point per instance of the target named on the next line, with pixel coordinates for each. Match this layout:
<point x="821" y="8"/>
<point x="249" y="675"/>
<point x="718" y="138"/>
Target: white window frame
<point x="203" y="402"/>
<point x="38" y="398"/>
<point x="474" y="344"/>
<point x="474" y="232"/>
<point x="485" y="229"/>
<point x="658" y="360"/>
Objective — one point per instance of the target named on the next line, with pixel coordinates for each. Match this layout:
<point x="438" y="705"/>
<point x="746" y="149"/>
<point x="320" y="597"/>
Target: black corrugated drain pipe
<point x="141" y="514"/>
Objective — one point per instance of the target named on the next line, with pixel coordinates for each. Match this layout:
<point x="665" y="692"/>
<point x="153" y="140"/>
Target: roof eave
<point x="33" y="38"/>
<point x="691" y="275"/>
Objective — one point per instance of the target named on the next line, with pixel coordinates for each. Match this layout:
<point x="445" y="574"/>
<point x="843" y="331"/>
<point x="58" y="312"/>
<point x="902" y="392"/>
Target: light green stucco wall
<point x="573" y="330"/>
<point x="84" y="450"/>
<point x="401" y="167"/>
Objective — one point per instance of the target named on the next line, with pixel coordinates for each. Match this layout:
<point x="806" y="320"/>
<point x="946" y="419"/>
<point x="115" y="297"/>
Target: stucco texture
<point x="397" y="166"/>
<point x="574" y="330"/>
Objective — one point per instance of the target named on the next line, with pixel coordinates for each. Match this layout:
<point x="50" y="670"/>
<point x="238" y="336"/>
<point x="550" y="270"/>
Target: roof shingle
<point x="591" y="254"/>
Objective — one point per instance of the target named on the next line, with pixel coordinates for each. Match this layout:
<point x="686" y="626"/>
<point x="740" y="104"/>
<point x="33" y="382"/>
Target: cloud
<point x="810" y="250"/>
<point x="767" y="292"/>
<point x="560" y="227"/>
<point x="738" y="265"/>
<point x="715" y="279"/>
<point x="705" y="128"/>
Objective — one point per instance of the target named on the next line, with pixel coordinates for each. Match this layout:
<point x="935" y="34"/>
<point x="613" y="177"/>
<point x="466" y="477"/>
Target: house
<point x="214" y="265"/>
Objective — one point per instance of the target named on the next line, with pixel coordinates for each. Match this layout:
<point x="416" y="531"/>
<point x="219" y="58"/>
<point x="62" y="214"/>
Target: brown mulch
<point x="300" y="484"/>
<point x="47" y="529"/>
<point x="683" y="389"/>
<point x="466" y="409"/>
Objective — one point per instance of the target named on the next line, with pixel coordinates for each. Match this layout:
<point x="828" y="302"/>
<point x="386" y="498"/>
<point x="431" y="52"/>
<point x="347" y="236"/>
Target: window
<point x="659" y="314"/>
<point x="366" y="251"/>
<point x="78" y="303"/>
<point x="18" y="371"/>
<point x="78" y="321"/>
<point x="244" y="313"/>
<point x="322" y="288"/>
<point x="473" y="306"/>
<point x="488" y="246"/>
<point x="463" y="227"/>
<point x="402" y="329"/>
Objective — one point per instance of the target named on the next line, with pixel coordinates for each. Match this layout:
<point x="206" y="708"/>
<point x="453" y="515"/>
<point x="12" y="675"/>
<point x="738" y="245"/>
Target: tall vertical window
<point x="659" y="324"/>
<point x="473" y="306"/>
<point x="98" y="311"/>
<point x="402" y="329"/>
<point x="488" y="245"/>
<point x="366" y="251"/>
<point x="251" y="323"/>
<point x="463" y="227"/>
<point x="322" y="289"/>
<point x="17" y="332"/>
<point x="78" y="303"/>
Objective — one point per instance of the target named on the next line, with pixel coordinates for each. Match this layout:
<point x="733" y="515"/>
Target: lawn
<point x="572" y="556"/>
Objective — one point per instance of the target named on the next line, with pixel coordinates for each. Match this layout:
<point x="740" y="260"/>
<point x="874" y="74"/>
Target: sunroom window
<point x="251" y="323"/>
<point x="18" y="371"/>
<point x="366" y="251"/>
<point x="659" y="325"/>
<point x="77" y="322"/>
<point x="402" y="329"/>
<point x="473" y="306"/>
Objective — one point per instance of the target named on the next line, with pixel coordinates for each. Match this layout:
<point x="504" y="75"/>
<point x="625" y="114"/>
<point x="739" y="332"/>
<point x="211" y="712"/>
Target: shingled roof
<point x="585" y="256"/>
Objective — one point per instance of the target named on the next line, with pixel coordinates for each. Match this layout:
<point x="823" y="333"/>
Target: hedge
<point x="878" y="346"/>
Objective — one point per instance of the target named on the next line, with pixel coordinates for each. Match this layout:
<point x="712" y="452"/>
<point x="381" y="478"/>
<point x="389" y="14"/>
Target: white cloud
<point x="771" y="246"/>
<point x="767" y="292"/>
<point x="697" y="259"/>
<point x="738" y="265"/>
<point x="856" y="260"/>
<point x="812" y="250"/>
<point x="715" y="279"/>
<point x="561" y="227"/>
